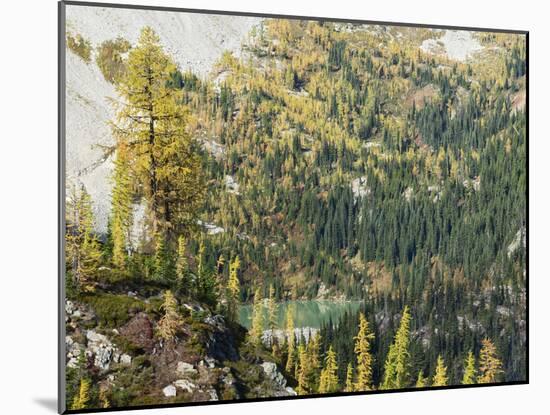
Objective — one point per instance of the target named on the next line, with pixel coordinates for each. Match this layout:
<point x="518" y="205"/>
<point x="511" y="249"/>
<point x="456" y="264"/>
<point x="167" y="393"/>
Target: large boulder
<point x="272" y="373"/>
<point x="185" y="369"/>
<point x="185" y="385"/>
<point x="169" y="391"/>
<point x="139" y="331"/>
<point x="103" y="352"/>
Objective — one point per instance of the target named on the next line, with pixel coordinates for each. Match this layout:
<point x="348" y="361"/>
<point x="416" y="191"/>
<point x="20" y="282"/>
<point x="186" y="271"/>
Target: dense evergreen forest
<point x="329" y="161"/>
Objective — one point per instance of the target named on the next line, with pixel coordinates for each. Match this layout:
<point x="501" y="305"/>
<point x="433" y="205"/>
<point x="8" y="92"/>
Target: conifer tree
<point x="152" y="121"/>
<point x="257" y="328"/>
<point x="182" y="269"/>
<point x="440" y="377"/>
<point x="205" y="283"/>
<point x="490" y="366"/>
<point x="233" y="289"/>
<point x="163" y="261"/>
<point x="328" y="382"/>
<point x="171" y="321"/>
<point x="350" y="384"/>
<point x="81" y="401"/>
<point x="363" y="355"/>
<point x="469" y="377"/>
<point x="272" y="309"/>
<point x="121" y="205"/>
<point x="291" y="342"/>
<point x="314" y="358"/>
<point x="302" y="371"/>
<point x="83" y="254"/>
<point x="421" y="381"/>
<point x="397" y="365"/>
<point x="103" y="397"/>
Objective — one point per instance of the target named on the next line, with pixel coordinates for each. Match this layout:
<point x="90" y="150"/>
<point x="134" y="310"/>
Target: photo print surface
<point x="260" y="207"/>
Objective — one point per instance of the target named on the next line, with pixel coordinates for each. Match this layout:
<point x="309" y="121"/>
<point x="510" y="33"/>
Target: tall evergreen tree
<point x="83" y="254"/>
<point x="363" y="354"/>
<point x="350" y="384"/>
<point x="397" y="365"/>
<point x="440" y="377"/>
<point x="121" y="205"/>
<point x="182" y="266"/>
<point x="81" y="401"/>
<point x="469" y="377"/>
<point x="302" y="370"/>
<point x="171" y="321"/>
<point x="152" y="121"/>
<point x="233" y="289"/>
<point x="328" y="382"/>
<point x="291" y="339"/>
<point x="490" y="366"/>
<point x="421" y="381"/>
<point x="257" y="328"/>
<point x="272" y="310"/>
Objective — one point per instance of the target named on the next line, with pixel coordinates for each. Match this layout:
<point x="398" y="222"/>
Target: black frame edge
<point x="286" y="16"/>
<point x="61" y="78"/>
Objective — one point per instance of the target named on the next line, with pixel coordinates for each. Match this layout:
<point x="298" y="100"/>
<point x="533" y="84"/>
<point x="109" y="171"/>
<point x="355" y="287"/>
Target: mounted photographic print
<point x="259" y="207"/>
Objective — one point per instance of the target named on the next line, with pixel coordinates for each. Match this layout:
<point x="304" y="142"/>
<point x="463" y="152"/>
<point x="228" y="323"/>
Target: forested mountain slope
<point x="355" y="165"/>
<point x="324" y="160"/>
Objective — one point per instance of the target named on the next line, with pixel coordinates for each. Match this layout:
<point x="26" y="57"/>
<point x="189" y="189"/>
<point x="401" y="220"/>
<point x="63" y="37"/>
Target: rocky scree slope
<point x="208" y="361"/>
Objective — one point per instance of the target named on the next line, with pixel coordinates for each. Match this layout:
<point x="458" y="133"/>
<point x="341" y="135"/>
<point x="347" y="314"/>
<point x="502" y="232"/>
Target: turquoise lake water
<point x="307" y="313"/>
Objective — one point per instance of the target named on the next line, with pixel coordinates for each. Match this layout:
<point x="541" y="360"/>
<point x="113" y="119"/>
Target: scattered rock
<point x="208" y="362"/>
<point x="94" y="337"/>
<point x="169" y="391"/>
<point x="518" y="242"/>
<point x="359" y="187"/>
<point x="290" y="391"/>
<point x="271" y="372"/>
<point x="185" y="385"/>
<point x="125" y="359"/>
<point x="69" y="307"/>
<point x="185" y="369"/>
<point x="212" y="394"/>
<point x="231" y="185"/>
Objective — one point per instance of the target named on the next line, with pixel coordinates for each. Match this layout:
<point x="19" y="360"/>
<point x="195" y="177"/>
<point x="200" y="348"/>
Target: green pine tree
<point x="397" y="365"/>
<point x="469" y="377"/>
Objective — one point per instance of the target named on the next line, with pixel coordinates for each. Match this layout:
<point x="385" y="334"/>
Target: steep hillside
<point x="319" y="163"/>
<point x="195" y="41"/>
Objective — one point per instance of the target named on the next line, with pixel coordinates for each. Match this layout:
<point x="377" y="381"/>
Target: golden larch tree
<point x="440" y="377"/>
<point x="291" y="342"/>
<point x="350" y="384"/>
<point x="83" y="397"/>
<point x="152" y="121"/>
<point x="490" y="366"/>
<point x="469" y="377"/>
<point x="397" y="365"/>
<point x="328" y="382"/>
<point x="257" y="328"/>
<point x="363" y="354"/>
<point x="233" y="289"/>
<point x="421" y="380"/>
<point x="83" y="254"/>
<point x="171" y="321"/>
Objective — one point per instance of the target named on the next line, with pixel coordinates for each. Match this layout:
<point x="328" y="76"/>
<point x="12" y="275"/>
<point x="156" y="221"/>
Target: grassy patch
<point x="113" y="310"/>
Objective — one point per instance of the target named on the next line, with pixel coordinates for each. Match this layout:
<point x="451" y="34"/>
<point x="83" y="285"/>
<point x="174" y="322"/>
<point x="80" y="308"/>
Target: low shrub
<point x="82" y="47"/>
<point x="113" y="310"/>
<point x="110" y="59"/>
